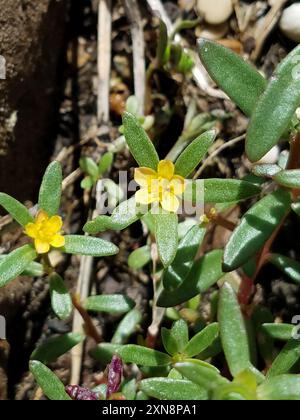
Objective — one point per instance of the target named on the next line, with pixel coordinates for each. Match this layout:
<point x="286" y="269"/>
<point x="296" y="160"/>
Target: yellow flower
<point x="160" y="187"/>
<point x="46" y="232"/>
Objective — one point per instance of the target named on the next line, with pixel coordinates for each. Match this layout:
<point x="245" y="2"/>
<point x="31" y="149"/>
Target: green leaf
<point x="123" y="216"/>
<point x="287" y="265"/>
<point x="105" y="163"/>
<point x="255" y="228"/>
<point x="86" y="245"/>
<point x="290" y="179"/>
<point x="204" y="274"/>
<point x="175" y="340"/>
<point x="16" y="209"/>
<point x="129" y="390"/>
<point x="194" y="153"/>
<point x="61" y="301"/>
<point x="139" y="257"/>
<point x="232" y="74"/>
<point x="166" y="235"/>
<point x="201" y="373"/>
<point x="139" y="143"/>
<point x="87" y="183"/>
<point x="282" y="332"/>
<point x="202" y="340"/>
<point x="172" y="389"/>
<point x="50" y="190"/>
<point x="219" y="190"/>
<point x="15" y="263"/>
<point x="104" y="352"/>
<point x="112" y="304"/>
<point x="233" y="331"/>
<point x="143" y="356"/>
<point x="55" y="347"/>
<point x="275" y="108"/>
<point x="52" y="387"/>
<point x="89" y="167"/>
<point x="286" y="359"/>
<point x="127" y="327"/>
<point x="266" y="170"/>
<point x="33" y="269"/>
<point x="188" y="247"/>
<point x="162" y="43"/>
<point x="282" y="387"/>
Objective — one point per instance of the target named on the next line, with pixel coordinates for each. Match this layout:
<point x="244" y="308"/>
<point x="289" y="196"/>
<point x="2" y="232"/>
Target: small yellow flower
<point x="46" y="232"/>
<point x="160" y="187"/>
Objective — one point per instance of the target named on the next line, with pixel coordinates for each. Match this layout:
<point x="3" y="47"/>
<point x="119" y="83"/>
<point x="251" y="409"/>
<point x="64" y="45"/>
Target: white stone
<point x="215" y="11"/>
<point x="271" y="157"/>
<point x="290" y="22"/>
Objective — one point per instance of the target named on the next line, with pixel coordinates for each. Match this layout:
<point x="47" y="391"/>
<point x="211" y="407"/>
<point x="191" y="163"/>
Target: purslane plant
<point x="236" y="334"/>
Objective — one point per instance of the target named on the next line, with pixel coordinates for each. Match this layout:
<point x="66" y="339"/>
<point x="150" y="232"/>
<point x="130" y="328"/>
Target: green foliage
<point x="256" y="227"/>
<point x="86" y="245"/>
<point x="113" y="304"/>
<point x="52" y="387"/>
<point x="16" y="263"/>
<point x="275" y="108"/>
<point x="61" y="301"/>
<point x="50" y="190"/>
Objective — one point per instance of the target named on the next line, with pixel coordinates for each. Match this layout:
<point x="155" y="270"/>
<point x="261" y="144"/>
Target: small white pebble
<point x="215" y="11"/>
<point x="271" y="157"/>
<point x="290" y="22"/>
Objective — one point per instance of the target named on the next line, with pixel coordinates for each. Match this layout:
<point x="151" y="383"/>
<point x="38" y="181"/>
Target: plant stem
<point x="89" y="327"/>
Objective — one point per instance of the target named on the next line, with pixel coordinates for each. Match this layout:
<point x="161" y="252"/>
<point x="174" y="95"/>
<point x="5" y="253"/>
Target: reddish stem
<point x="89" y="326"/>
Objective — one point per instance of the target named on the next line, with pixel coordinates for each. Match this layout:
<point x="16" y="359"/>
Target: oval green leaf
<point x="140" y="145"/>
<point x="172" y="389"/>
<point x="232" y="74"/>
<point x="255" y="228"/>
<point x="194" y="153"/>
<point x="282" y="332"/>
<point x="290" y="179"/>
<point x="52" y="387"/>
<point x="233" y="331"/>
<point x="50" y="190"/>
<point x="166" y="235"/>
<point x="287" y="265"/>
<point x="286" y="359"/>
<point x="86" y="245"/>
<point x="61" y="301"/>
<point x="220" y="190"/>
<point x="128" y="326"/>
<point x="142" y="356"/>
<point x="16" y="209"/>
<point x="202" y="340"/>
<point x="15" y="263"/>
<point x="282" y="387"/>
<point x="55" y="347"/>
<point x="203" y="274"/>
<point x="139" y="257"/>
<point x="112" y="304"/>
<point x="275" y="108"/>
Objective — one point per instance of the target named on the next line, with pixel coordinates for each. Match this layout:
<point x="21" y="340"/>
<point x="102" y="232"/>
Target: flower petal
<point x="166" y="169"/>
<point x="41" y="216"/>
<point x="143" y="196"/>
<point x="58" y="241"/>
<point x="177" y="185"/>
<point x="41" y="246"/>
<point x="143" y="176"/>
<point x="55" y="222"/>
<point x="31" y="230"/>
<point x="170" y="202"/>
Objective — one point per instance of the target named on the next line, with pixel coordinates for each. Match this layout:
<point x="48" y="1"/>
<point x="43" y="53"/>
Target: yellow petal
<point x="177" y="185"/>
<point x="166" y="169"/>
<point x="143" y="196"/>
<point x="58" y="241"/>
<point x="170" y="202"/>
<point x="143" y="176"/>
<point x="41" y="247"/>
<point x="41" y="216"/>
<point x="56" y="223"/>
<point x="31" y="230"/>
